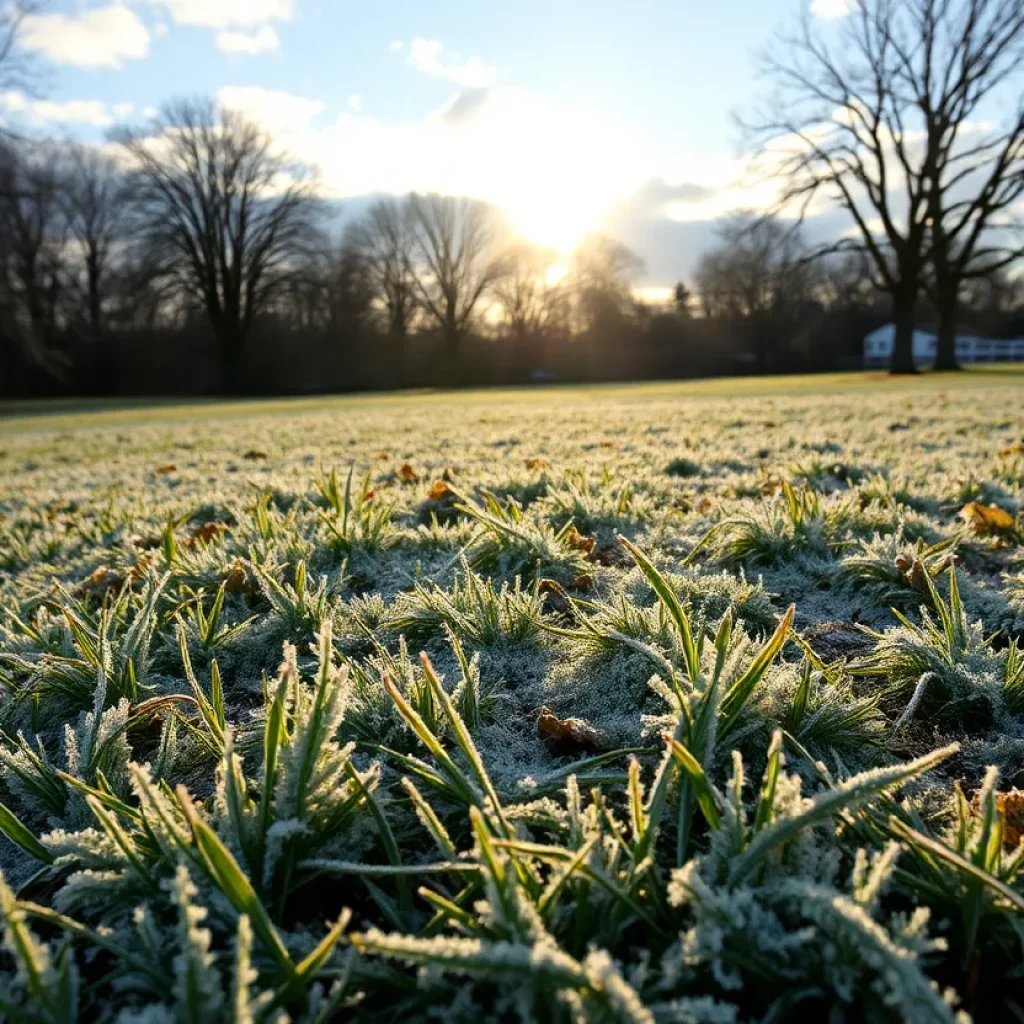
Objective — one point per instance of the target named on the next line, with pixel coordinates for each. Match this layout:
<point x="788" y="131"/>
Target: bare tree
<point x="602" y="275"/>
<point x="383" y="240"/>
<point x="98" y="203"/>
<point x="980" y="44"/>
<point x="230" y="216"/>
<point x="870" y="117"/>
<point x="17" y="67"/>
<point x="535" y="304"/>
<point x="33" y="242"/>
<point x="457" y="263"/>
<point x="759" y="273"/>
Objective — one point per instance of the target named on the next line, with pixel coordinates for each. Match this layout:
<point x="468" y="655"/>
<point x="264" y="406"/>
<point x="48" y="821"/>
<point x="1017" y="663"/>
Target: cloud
<point x="396" y="46"/>
<point x="427" y="56"/>
<point x="464" y="106"/>
<point x="226" y="14"/>
<point x="280" y="112"/>
<point x="589" y="158"/>
<point x="249" y="43"/>
<point x="93" y="112"/>
<point x="831" y="8"/>
<point x="102" y="37"/>
<point x="355" y="101"/>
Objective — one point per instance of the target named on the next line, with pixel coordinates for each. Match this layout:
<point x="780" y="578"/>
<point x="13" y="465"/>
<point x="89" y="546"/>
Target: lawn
<point x="678" y="702"/>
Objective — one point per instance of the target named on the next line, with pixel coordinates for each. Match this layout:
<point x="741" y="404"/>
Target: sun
<point x="554" y="222"/>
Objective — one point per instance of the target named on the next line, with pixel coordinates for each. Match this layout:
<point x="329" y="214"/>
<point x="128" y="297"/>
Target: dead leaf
<point x="570" y="736"/>
<point x="254" y="455"/>
<point x="100" y="583"/>
<point x="537" y="463"/>
<point x="1011" y="806"/>
<point x="240" y="581"/>
<point x="988" y="520"/>
<point x="613" y="556"/>
<point x="576" y="541"/>
<point x="582" y="583"/>
<point x="439" y="491"/>
<point x="170" y="467"/>
<point x="382" y="456"/>
<point x="1012" y="450"/>
<point x="408" y="474"/>
<point x="205" y="533"/>
<point x="705" y="505"/>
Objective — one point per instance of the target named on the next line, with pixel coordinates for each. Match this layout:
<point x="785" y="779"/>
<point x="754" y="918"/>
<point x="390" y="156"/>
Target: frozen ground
<point x="483" y="529"/>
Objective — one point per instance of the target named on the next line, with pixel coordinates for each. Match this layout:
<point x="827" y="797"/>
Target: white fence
<point x="878" y="348"/>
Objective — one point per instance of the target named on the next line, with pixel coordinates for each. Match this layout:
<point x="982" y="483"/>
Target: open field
<point x="626" y="783"/>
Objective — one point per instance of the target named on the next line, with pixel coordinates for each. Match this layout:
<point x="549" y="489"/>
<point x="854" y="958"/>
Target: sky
<point x="572" y="116"/>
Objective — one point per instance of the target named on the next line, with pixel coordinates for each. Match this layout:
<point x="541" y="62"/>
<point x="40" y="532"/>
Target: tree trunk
<point x="453" y="368"/>
<point x="904" y="310"/>
<point x="945" y="350"/>
<point x="232" y="367"/>
<point x="400" y="355"/>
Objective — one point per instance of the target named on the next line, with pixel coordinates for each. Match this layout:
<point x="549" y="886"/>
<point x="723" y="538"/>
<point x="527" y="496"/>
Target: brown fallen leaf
<point x="407" y="474"/>
<point x="537" y="463"/>
<point x="254" y="455"/>
<point x="167" y="469"/>
<point x="576" y="541"/>
<point x="988" y="520"/>
<point x="613" y="556"/>
<point x="1012" y="450"/>
<point x="240" y="581"/>
<point x="1011" y="806"/>
<point x="439" y="491"/>
<point x="100" y="583"/>
<point x="382" y="456"/>
<point x="570" y="736"/>
<point x="204" y="533"/>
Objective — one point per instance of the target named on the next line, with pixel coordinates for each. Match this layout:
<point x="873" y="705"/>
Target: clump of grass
<point x="778" y="530"/>
<point x="472" y="608"/>
<point x="511" y="545"/>
<point x="945" y="664"/>
<point x="891" y="570"/>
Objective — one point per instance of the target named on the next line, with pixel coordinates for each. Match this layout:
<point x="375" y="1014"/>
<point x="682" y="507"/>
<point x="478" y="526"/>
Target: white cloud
<point x="396" y="46"/>
<point x="92" y="112"/>
<point x="590" y="159"/>
<point x="831" y="8"/>
<point x="428" y="56"/>
<point x="249" y="43"/>
<point x="224" y="14"/>
<point x="279" y="112"/>
<point x="102" y="37"/>
<point x="122" y="110"/>
<point x="355" y="101"/>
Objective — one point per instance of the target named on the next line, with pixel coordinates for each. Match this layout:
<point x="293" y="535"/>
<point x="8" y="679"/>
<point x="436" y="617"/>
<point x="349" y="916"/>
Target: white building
<point x="969" y="349"/>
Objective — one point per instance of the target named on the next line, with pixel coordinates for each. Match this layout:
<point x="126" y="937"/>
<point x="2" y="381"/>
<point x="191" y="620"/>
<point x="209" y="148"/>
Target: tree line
<point x="192" y="253"/>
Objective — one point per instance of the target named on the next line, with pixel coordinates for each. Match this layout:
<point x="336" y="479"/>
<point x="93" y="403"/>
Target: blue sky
<point x="571" y="115"/>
